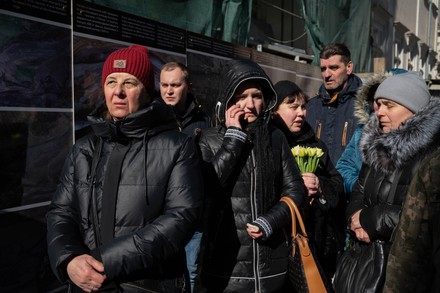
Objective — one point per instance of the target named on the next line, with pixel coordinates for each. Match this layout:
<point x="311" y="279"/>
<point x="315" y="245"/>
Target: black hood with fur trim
<point x="415" y="138"/>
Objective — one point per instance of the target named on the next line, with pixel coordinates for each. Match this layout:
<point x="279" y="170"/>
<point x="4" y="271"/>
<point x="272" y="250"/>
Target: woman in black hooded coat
<point x="248" y="167"/>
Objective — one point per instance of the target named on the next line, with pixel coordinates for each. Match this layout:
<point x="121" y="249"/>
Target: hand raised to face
<point x="234" y="116"/>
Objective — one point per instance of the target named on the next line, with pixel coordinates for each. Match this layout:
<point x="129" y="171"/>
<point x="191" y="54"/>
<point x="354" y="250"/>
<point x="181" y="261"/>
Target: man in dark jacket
<point x="175" y="89"/>
<point x="331" y="112"/>
<point x="249" y="166"/>
<point x="129" y="195"/>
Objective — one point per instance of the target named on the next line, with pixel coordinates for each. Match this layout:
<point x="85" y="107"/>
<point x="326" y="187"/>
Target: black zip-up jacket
<point x="158" y="198"/>
<point x="233" y="261"/>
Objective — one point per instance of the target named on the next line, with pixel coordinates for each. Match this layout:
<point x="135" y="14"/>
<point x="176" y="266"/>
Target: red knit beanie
<point x="133" y="60"/>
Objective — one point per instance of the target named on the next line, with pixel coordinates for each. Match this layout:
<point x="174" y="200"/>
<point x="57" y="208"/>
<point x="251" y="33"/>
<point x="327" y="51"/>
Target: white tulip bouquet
<point x="307" y="158"/>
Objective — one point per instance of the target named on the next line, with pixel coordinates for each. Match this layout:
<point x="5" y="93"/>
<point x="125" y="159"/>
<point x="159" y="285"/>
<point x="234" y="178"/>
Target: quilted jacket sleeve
<point x="278" y="216"/>
<point x="63" y="234"/>
<point x="224" y="159"/>
<point x="378" y="219"/>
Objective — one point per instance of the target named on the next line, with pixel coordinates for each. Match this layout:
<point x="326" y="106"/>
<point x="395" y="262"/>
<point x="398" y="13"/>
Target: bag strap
<point x="313" y="276"/>
<point x="296" y="215"/>
<point x="95" y="159"/>
<point x="396" y="179"/>
<point x="392" y="193"/>
<point x="110" y="191"/>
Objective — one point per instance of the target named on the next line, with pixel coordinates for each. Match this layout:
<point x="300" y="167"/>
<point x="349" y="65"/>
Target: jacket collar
<point x="155" y="118"/>
<point x="305" y="136"/>
<point x="353" y="83"/>
<point x="191" y="111"/>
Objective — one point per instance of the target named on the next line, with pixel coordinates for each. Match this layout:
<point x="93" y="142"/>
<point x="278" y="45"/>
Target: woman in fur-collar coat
<point x="404" y="130"/>
<point x="350" y="163"/>
<point x="384" y="154"/>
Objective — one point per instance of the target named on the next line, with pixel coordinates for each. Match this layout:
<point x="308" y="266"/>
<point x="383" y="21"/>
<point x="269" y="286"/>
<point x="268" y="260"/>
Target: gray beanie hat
<point x="406" y="89"/>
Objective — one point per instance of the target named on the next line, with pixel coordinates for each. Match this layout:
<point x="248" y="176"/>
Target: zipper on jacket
<point x="98" y="239"/>
<point x="94" y="165"/>
<point x="318" y="130"/>
<point x="344" y="134"/>
<point x="254" y="214"/>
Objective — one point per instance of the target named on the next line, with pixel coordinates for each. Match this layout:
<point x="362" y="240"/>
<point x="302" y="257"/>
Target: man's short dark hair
<point x="336" y="49"/>
<point x="173" y="65"/>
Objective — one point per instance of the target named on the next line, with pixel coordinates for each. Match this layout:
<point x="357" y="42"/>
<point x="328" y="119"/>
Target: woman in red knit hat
<point x="129" y="194"/>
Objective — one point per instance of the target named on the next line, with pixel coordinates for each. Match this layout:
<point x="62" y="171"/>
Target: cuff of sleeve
<point x="236" y="133"/>
<point x="96" y="254"/>
<point x="62" y="269"/>
<point x="264" y="226"/>
<point x="369" y="226"/>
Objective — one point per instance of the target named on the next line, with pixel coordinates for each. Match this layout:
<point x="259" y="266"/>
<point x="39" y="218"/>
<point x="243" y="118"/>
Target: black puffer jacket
<point x="158" y="197"/>
<point x="391" y="159"/>
<point x="233" y="261"/>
